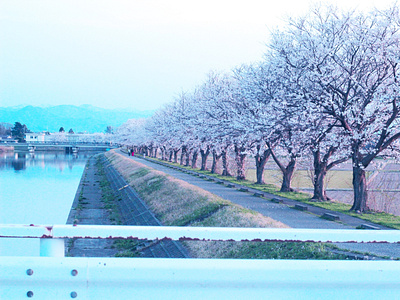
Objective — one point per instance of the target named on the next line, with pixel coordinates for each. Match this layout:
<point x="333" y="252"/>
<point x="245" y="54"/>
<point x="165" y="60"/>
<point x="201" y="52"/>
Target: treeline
<point x="5" y="128"/>
<point x="327" y="90"/>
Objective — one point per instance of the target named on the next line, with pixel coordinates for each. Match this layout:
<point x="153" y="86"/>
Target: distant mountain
<point x="80" y="118"/>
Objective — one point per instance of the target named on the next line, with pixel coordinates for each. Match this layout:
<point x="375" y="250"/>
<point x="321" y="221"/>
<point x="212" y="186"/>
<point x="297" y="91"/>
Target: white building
<point x="35" y="137"/>
<point x="73" y="138"/>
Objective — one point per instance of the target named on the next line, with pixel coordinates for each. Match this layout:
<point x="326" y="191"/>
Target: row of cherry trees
<point x="327" y="89"/>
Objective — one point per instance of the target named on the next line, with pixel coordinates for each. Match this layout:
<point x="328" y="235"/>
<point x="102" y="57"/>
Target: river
<point x="36" y="188"/>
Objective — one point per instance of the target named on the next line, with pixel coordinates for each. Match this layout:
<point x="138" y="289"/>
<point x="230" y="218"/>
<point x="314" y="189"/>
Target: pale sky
<point x="130" y="53"/>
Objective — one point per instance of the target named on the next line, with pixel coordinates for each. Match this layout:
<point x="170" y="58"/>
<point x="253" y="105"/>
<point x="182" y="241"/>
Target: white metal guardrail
<point x="145" y="278"/>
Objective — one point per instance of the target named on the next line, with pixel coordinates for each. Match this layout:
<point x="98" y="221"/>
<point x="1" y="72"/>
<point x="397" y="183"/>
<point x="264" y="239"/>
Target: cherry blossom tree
<point x="214" y="114"/>
<point x="271" y="114"/>
<point x="257" y="88"/>
<point x="349" y="70"/>
<point x="327" y="88"/>
<point x="131" y="132"/>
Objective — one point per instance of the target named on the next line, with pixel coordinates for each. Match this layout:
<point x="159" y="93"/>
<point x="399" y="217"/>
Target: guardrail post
<point x="51" y="247"/>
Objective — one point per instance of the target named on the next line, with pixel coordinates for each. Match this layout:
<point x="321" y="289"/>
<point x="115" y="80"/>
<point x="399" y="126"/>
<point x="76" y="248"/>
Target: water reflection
<point x="19" y="161"/>
<point x="37" y="188"/>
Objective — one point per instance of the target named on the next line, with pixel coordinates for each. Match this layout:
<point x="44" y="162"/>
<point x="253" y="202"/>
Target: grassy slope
<point x="178" y="203"/>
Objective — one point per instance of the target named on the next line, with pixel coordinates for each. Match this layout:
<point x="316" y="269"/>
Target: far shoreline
<point x="4" y="149"/>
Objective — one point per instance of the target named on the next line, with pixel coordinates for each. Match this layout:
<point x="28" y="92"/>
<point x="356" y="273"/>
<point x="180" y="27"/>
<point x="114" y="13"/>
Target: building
<point x="70" y="138"/>
<point x="31" y="137"/>
<point x="7" y="139"/>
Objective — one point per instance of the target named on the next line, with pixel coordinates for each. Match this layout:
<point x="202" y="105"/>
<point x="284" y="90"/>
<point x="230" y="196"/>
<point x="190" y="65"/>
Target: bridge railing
<point x="145" y="278"/>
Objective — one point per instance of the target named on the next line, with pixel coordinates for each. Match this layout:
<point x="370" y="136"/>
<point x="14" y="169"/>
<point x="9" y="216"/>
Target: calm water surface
<point x="36" y="189"/>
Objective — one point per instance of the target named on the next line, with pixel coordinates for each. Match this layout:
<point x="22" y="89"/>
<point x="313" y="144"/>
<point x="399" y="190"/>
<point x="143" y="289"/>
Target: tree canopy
<point x="18" y="131"/>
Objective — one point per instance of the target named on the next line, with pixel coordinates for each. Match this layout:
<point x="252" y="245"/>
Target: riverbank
<point x="88" y="209"/>
<point x="6" y="149"/>
<point x="103" y="198"/>
<point x="116" y="190"/>
<point x="176" y="202"/>
<point x="282" y="211"/>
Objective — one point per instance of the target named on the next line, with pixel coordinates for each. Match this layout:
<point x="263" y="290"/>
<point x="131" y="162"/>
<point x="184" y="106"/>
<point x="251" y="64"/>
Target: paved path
<point x="283" y="212"/>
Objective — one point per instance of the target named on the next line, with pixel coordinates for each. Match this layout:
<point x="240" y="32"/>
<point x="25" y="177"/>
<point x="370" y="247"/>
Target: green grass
<point x="128" y="253"/>
<point x="198" y="215"/>
<point x="127" y="248"/>
<point x="153" y="185"/>
<point x="263" y="250"/>
<point x="284" y="250"/>
<point x="126" y="244"/>
<point x="107" y="195"/>
<point x="381" y="218"/>
<point x="139" y="173"/>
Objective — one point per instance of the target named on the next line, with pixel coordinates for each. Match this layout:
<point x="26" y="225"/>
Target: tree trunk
<point x="204" y="155"/>
<point x="187" y="164"/>
<point x="287" y="176"/>
<point x="319" y="188"/>
<point x="225" y="169"/>
<point x="359" y="180"/>
<point x="170" y="155"/>
<point x="261" y="161"/>
<point x="240" y="159"/>
<point x="194" y="158"/>
<point x="287" y="172"/>
<point x="320" y="170"/>
<point x="360" y="190"/>
<point x="183" y="155"/>
<point x="162" y="153"/>
<point x="176" y="155"/>
<point x="216" y="158"/>
<point x="155" y="152"/>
